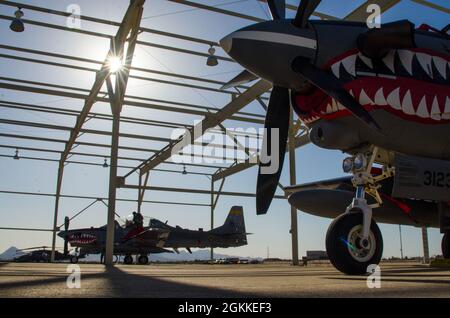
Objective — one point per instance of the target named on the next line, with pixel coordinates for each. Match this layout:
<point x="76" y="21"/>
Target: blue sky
<point x="270" y="230"/>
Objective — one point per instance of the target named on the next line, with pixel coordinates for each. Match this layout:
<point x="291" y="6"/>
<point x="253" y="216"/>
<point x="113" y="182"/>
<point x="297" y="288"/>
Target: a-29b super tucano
<point x="381" y="95"/>
<point x="157" y="237"/>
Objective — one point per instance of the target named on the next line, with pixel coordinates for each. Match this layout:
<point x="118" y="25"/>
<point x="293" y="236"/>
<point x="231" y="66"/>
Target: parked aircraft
<point x="381" y="95"/>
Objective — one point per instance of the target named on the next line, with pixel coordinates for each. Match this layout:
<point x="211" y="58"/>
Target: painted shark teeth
<point x="406" y="58"/>
<point x="402" y="63"/>
<point x="379" y="97"/>
<point x="425" y="62"/>
<point x="364" y="99"/>
<point x="407" y="104"/>
<point x="389" y="60"/>
<point x="394" y="99"/>
<point x="367" y="61"/>
<point x="435" y="109"/>
<point x="422" y="109"/>
<point x="349" y="64"/>
<point x="446" y="114"/>
<point x="441" y="66"/>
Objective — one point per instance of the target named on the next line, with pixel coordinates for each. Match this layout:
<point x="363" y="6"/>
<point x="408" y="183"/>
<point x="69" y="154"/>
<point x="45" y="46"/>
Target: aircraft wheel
<point x="446" y="245"/>
<point x="344" y="246"/>
<point x="74" y="259"/>
<point x="128" y="259"/>
<point x="143" y="260"/>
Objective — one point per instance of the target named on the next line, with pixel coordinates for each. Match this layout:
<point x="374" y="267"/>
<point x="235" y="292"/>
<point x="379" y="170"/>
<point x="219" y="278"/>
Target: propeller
<point x="278" y="111"/>
<point x="304" y="11"/>
<point x="277" y="118"/>
<point x="333" y="87"/>
<point x="242" y="78"/>
<point x="277" y="9"/>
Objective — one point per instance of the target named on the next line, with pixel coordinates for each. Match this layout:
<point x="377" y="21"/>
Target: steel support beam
<point x="426" y="249"/>
<point x="293" y="181"/>
<point x="241" y="166"/>
<point x="212" y="216"/>
<point x="191" y="110"/>
<point x="141" y="191"/>
<point x="432" y="6"/>
<point x="129" y="20"/>
<point x="117" y="96"/>
<point x="196" y="191"/>
<point x="210" y="121"/>
<point x="40" y="194"/>
<point x="56" y="210"/>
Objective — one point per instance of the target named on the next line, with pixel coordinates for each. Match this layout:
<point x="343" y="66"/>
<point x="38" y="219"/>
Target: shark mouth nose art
<point x="81" y="238"/>
<point x="400" y="84"/>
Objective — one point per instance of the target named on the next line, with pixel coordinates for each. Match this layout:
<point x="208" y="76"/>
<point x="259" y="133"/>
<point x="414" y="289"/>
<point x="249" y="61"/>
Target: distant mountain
<point x="10" y="254"/>
<point x="199" y="255"/>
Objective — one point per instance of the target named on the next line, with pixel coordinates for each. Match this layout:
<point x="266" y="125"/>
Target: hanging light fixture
<point x="212" y="59"/>
<point x="184" y="170"/>
<point x="105" y="164"/>
<point x="16" y="156"/>
<point x="17" y="23"/>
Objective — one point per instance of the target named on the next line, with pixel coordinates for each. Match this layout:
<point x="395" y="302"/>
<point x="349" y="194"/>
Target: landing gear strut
<point x="446" y="245"/>
<point x="353" y="240"/>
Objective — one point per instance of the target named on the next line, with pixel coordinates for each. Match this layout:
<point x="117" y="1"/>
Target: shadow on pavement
<point x="114" y="282"/>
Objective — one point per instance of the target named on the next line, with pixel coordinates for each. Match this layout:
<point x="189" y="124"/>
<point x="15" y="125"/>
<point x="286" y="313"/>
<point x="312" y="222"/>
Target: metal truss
<point x="123" y="44"/>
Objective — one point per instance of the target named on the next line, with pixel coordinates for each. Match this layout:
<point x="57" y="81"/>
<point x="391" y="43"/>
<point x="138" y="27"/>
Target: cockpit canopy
<point x="155" y="223"/>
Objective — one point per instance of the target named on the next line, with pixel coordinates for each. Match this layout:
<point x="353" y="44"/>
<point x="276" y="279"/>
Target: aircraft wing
<point x="149" y="237"/>
<point x="342" y="183"/>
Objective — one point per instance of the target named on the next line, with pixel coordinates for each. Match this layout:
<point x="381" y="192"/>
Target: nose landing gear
<point x="347" y="250"/>
<point x="353" y="240"/>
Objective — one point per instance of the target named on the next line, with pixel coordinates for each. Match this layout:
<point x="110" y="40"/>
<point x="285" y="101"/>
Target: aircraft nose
<point x="62" y="234"/>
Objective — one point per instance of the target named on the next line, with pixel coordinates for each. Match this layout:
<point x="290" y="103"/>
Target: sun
<point x="114" y="64"/>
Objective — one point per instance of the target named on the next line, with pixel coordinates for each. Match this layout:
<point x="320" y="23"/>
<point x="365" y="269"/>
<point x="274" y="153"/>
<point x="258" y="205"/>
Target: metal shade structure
<point x="130" y="164"/>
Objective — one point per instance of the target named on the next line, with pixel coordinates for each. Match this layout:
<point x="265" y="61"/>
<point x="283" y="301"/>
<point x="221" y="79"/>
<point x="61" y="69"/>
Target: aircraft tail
<point x="234" y="223"/>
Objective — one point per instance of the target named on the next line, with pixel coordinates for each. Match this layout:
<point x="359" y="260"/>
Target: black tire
<point x="128" y="259"/>
<point x="446" y="245"/>
<point x="74" y="259"/>
<point x="143" y="260"/>
<point x="339" y="248"/>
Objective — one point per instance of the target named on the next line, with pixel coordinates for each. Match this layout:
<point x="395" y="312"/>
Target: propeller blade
<point x="277" y="117"/>
<point x="304" y="11"/>
<point x="333" y="87"/>
<point x="277" y="9"/>
<point x="242" y="78"/>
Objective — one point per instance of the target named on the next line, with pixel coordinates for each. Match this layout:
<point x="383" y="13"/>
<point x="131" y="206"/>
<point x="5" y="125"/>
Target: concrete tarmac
<point x="243" y="280"/>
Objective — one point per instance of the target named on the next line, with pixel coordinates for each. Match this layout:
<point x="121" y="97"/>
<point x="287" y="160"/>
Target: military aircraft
<point x="230" y="234"/>
<point x="40" y="254"/>
<point x="129" y="240"/>
<point x="380" y="95"/>
<point x="133" y="239"/>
